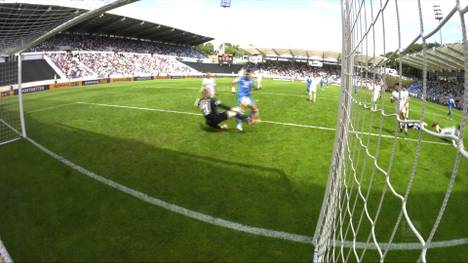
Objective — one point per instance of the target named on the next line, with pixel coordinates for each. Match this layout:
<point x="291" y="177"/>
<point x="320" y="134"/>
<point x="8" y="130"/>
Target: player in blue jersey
<point x="244" y="99"/>
<point x="450" y="105"/>
<point x="308" y="82"/>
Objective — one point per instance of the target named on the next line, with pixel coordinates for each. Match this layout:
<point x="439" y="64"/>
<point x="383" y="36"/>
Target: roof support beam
<point x="420" y="61"/>
<point x="455" y="50"/>
<point x="161" y="32"/>
<point x="441" y="64"/>
<point x="106" y="25"/>
<point x="446" y="61"/>
<point x="276" y="52"/>
<point x="451" y="56"/>
<point x="412" y="64"/>
<point x="132" y="27"/>
<point x="148" y="30"/>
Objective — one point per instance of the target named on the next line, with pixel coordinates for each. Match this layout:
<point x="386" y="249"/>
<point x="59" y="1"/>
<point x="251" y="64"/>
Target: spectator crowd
<point x="116" y="44"/>
<point x="293" y="70"/>
<point x="439" y="91"/>
<point x="70" y="65"/>
<point x="105" y="64"/>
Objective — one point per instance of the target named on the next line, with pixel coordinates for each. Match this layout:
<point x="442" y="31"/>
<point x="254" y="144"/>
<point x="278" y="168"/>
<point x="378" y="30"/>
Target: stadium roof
<point x="23" y="22"/>
<point x="326" y="56"/>
<point x="445" y="58"/>
<point x="110" y="24"/>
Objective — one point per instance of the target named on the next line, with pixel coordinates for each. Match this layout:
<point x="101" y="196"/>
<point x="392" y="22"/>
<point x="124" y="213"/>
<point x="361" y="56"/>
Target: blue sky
<point x="259" y="22"/>
<point x="308" y="24"/>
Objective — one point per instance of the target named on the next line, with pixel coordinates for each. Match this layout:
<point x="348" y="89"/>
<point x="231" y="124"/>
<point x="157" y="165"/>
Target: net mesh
<point x="9" y="106"/>
<point x="21" y="23"/>
<point x="21" y="26"/>
<point x="367" y="211"/>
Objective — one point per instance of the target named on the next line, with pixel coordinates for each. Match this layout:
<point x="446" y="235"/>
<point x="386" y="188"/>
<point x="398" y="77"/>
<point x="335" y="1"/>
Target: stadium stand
<point x="32" y="70"/>
<point x="439" y="91"/>
<point x="80" y="42"/>
<point x="292" y="70"/>
<point x="105" y="64"/>
<point x="214" y="68"/>
<point x="108" y="45"/>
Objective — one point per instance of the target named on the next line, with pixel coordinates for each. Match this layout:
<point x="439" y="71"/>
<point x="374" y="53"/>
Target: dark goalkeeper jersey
<point x="209" y="106"/>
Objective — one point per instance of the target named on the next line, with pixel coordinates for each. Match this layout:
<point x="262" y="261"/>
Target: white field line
<point x="175" y="208"/>
<point x="4" y="254"/>
<point x="263" y="121"/>
<point x="12" y="140"/>
<point x="230" y="224"/>
<point x="51" y="107"/>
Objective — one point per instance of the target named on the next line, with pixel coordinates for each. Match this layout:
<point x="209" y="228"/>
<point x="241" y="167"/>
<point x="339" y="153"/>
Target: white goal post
<point x="25" y="25"/>
<point x="355" y="167"/>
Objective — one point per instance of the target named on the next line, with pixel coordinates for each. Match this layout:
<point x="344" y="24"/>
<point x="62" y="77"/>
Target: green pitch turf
<point x="271" y="176"/>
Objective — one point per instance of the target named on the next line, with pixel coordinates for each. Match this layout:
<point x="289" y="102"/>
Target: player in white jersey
<point x="259" y="79"/>
<point x="395" y="99"/>
<point x="313" y="87"/>
<point x="455" y="131"/>
<point x="208" y="86"/>
<point x="400" y="98"/>
<point x="375" y="94"/>
<point x="404" y="103"/>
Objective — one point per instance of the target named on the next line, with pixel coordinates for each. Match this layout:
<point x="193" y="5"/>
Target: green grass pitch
<point x="270" y="176"/>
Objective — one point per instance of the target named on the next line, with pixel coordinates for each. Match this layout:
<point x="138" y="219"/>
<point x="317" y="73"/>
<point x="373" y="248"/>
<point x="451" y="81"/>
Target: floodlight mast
<point x="224" y="4"/>
<point x="438" y="16"/>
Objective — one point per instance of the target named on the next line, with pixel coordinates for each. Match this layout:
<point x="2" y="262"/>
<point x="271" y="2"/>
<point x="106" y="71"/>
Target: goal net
<point x="375" y="207"/>
<point x="23" y="25"/>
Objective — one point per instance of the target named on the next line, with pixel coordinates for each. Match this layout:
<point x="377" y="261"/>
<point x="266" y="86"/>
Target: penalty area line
<point x="230" y="224"/>
<point x="263" y="121"/>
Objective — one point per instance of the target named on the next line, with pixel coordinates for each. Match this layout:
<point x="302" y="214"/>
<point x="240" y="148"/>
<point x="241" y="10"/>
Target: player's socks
<point x="253" y="117"/>
<point x="239" y="125"/>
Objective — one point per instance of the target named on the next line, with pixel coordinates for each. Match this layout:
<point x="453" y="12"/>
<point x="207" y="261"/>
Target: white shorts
<point x="246" y="101"/>
<point x="375" y="97"/>
<point x="403" y="108"/>
<point x="313" y="89"/>
<point x="211" y="91"/>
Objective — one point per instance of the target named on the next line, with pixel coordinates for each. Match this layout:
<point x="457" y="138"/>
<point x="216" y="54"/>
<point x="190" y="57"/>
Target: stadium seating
<point x="105" y="64"/>
<point x="439" y="91"/>
<point x="116" y="44"/>
<point x="33" y="70"/>
<point x="214" y="68"/>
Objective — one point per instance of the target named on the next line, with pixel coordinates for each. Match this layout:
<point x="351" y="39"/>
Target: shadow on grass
<point x="54" y="209"/>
